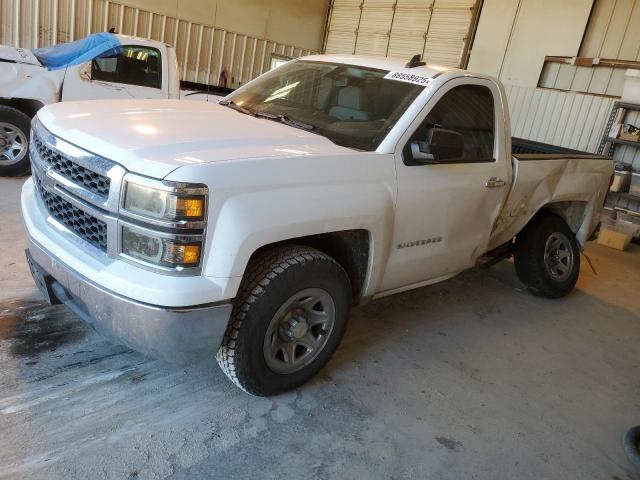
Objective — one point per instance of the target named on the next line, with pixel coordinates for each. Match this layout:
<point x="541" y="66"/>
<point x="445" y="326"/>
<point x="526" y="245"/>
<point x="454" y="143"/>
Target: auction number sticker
<point x="408" y="77"/>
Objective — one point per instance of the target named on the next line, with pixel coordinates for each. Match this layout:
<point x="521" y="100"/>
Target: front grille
<point x="81" y="223"/>
<point x="94" y="182"/>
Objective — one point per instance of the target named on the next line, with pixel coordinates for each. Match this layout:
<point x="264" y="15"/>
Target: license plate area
<point x="42" y="280"/>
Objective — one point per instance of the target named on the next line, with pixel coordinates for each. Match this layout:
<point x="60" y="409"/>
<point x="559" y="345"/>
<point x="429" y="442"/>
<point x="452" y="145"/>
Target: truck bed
<point x="569" y="181"/>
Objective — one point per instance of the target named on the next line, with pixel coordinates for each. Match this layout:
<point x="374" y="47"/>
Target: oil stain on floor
<point x="32" y="327"/>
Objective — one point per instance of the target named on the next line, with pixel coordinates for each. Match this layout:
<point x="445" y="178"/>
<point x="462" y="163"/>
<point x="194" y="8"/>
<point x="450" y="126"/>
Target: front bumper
<point x="178" y="334"/>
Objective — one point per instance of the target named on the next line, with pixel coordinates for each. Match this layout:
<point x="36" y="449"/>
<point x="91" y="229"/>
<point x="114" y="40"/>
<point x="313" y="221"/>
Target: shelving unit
<point x="622" y="201"/>
<point x="618" y="114"/>
<point x="618" y="141"/>
<point x="628" y="196"/>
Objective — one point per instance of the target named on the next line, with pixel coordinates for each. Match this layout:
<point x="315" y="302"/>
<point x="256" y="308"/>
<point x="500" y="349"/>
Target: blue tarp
<point x="65" y="55"/>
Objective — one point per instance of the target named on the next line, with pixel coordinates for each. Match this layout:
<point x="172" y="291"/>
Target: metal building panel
<point x="411" y="21"/>
<point x="566" y="113"/>
<point x="524" y="111"/>
<point x="567" y="119"/>
<point x="579" y="120"/>
<point x="590" y="120"/>
<point x="536" y="119"/>
<point x="582" y="79"/>
<point x="409" y="29"/>
<point x="203" y="51"/>
<point x="600" y="80"/>
<point x="549" y="75"/>
<point x="341" y="42"/>
<point x="597" y="28"/>
<point x="447" y="33"/>
<point x="374" y="27"/>
<point x="343" y="27"/>
<point x="6" y="25"/>
<point x="533" y="109"/>
<point x="372" y="44"/>
<point x="629" y="50"/>
<point x="405" y="46"/>
<point x="345" y="18"/>
<point x="555" y="106"/>
<point x="414" y="4"/>
<point x="617" y="29"/>
<point x="437" y="28"/>
<point x="565" y="77"/>
<point x="377" y="16"/>
<point x="616" y="82"/>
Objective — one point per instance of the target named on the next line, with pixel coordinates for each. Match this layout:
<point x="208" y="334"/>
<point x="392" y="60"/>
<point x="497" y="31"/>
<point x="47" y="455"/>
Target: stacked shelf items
<point x="626" y="153"/>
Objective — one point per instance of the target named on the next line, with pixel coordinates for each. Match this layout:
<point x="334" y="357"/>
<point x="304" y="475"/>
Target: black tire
<point x="631" y="443"/>
<point x="529" y="257"/>
<point x="17" y="119"/>
<point x="271" y="279"/>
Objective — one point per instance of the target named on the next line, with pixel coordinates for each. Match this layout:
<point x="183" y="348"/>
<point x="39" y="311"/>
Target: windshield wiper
<point x="286" y="120"/>
<point x="233" y="105"/>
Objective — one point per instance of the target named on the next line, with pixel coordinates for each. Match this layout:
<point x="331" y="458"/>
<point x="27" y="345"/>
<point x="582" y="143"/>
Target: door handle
<point x="495" y="182"/>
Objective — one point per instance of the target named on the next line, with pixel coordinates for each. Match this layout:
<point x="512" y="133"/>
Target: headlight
<point x="185" y="204"/>
<point x="163" y="224"/>
<point x="157" y="250"/>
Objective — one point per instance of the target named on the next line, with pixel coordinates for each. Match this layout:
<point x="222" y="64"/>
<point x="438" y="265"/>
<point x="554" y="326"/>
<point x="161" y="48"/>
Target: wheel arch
<point x="575" y="214"/>
<point x="27" y="106"/>
<point x="572" y="212"/>
<point x="350" y="248"/>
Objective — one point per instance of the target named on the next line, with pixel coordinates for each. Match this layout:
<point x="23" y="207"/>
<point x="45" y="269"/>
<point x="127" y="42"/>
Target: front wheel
<point x="288" y="319"/>
<point x="547" y="257"/>
<point x="15" y="127"/>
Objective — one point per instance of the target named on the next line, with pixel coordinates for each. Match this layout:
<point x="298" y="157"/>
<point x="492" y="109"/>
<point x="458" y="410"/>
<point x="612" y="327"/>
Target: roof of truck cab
<point x="382" y="63"/>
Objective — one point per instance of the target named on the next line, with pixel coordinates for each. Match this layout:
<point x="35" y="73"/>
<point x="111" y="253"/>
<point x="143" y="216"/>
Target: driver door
<point x="446" y="207"/>
<point x="136" y="72"/>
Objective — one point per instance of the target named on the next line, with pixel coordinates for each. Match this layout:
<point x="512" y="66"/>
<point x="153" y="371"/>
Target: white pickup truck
<point x="100" y="66"/>
<point x="250" y="227"/>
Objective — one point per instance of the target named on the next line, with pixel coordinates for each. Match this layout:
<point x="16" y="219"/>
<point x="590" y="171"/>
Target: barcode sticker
<point x="408" y="77"/>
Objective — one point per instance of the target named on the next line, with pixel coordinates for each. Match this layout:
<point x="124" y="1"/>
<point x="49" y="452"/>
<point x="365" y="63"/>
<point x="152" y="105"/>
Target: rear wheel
<point x="288" y="319"/>
<point x="15" y="127"/>
<point x="547" y="257"/>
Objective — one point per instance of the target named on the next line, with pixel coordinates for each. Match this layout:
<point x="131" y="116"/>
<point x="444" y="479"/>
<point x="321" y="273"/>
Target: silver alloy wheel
<point x="299" y="330"/>
<point x="13" y="144"/>
<point x="558" y="256"/>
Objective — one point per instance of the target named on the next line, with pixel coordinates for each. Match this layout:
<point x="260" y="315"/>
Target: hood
<point x="154" y="137"/>
<point x="18" y="55"/>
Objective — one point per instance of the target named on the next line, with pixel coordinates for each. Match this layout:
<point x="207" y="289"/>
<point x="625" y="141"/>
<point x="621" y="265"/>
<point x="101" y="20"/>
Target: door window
<point x="467" y="110"/>
<point x="133" y="66"/>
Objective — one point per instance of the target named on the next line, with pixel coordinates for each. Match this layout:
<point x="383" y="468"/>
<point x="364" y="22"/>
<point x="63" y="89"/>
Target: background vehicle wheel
<point x="288" y="318"/>
<point x="547" y="257"/>
<point x="631" y="445"/>
<point x="15" y="128"/>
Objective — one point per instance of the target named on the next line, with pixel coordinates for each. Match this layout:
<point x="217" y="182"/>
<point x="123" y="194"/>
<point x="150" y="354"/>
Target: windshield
<point x="352" y="106"/>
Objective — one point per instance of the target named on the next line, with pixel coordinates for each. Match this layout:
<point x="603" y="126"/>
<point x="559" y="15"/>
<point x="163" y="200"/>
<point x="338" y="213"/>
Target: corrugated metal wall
<point x="568" y="119"/>
<point x="613" y="32"/>
<point x="438" y="29"/>
<point x="206" y="53"/>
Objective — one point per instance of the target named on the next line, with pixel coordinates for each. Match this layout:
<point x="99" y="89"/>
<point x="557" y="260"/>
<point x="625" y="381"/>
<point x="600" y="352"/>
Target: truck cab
<point x="101" y="66"/>
<point x="142" y="69"/>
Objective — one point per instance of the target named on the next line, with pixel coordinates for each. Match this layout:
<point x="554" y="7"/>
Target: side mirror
<point x="441" y="145"/>
<point x="85" y="71"/>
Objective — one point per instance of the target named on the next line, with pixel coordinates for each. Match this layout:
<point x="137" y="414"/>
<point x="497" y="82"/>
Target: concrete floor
<point x="472" y="378"/>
